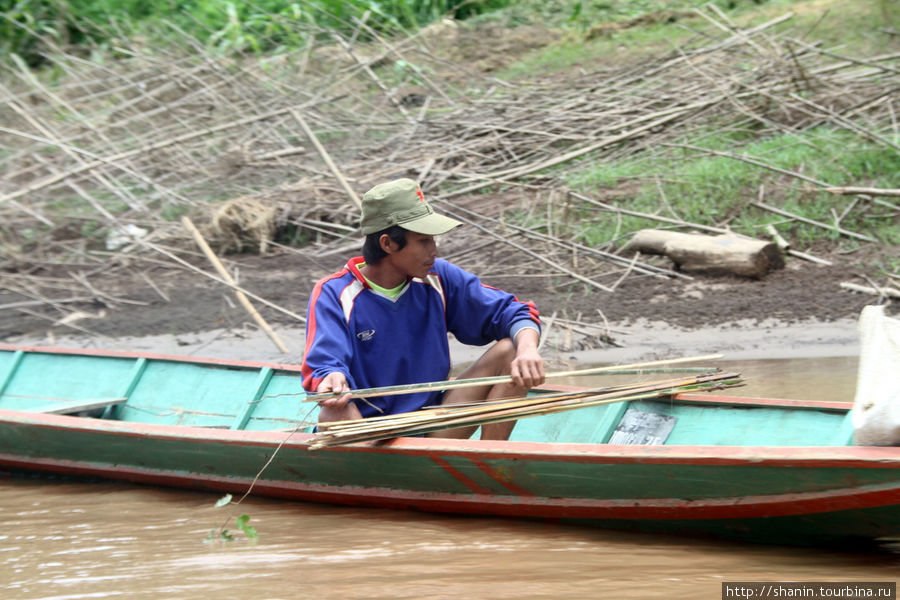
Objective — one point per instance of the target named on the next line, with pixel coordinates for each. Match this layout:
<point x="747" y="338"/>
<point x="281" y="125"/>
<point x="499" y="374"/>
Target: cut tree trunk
<point x="713" y="255"/>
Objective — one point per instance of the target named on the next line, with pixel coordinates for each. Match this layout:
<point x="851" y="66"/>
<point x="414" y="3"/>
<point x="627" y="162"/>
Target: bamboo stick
<point x="325" y="156"/>
<point x="884" y="292"/>
<point x="412" y="388"/>
<point x="223" y="272"/>
<point x="785" y="213"/>
<point x="863" y="190"/>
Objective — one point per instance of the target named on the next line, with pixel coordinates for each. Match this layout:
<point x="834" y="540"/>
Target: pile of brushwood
<point x="103" y="158"/>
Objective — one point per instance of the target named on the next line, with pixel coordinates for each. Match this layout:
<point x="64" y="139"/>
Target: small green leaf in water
<point x="249" y="530"/>
<point x="223" y="501"/>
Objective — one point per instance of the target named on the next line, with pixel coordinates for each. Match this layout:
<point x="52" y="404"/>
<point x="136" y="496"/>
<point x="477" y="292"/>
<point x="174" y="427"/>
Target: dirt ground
<point x="802" y="298"/>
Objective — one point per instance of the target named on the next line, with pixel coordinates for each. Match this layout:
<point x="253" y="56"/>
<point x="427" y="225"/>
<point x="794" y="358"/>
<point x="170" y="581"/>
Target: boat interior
<point x="245" y="396"/>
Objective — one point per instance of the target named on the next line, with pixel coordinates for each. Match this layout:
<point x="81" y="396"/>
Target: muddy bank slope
<point x="798" y="311"/>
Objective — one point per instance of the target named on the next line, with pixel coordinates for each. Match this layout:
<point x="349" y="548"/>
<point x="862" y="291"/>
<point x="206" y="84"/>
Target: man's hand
<point x="333" y="383"/>
<point x="527" y="368"/>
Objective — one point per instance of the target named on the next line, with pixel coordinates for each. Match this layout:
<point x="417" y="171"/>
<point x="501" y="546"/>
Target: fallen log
<point x="713" y="255"/>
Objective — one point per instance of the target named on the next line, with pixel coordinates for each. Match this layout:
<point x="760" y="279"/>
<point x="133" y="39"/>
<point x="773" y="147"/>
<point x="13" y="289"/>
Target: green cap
<point x="401" y="202"/>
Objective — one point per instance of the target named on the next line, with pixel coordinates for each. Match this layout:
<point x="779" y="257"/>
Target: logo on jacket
<point x="365" y="336"/>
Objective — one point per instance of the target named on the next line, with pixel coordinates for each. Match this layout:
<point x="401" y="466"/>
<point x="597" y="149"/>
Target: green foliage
<point x="27" y="27"/>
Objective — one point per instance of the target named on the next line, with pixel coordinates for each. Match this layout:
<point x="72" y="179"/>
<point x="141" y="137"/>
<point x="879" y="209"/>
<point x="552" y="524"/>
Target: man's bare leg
<point x="346" y="413"/>
<point x="496" y="361"/>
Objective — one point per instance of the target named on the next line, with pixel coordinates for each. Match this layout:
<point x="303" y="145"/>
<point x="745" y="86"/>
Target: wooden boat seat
<point x="79" y="406"/>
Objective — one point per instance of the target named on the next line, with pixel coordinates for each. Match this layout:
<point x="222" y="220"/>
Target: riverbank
<point x="799" y="311"/>
<point x="642" y="341"/>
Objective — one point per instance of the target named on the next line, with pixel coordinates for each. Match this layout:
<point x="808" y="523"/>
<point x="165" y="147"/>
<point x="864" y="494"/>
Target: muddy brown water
<point x="63" y="539"/>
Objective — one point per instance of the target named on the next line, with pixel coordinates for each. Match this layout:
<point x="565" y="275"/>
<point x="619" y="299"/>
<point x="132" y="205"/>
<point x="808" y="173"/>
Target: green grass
<point x="719" y="191"/>
<point x="592" y="37"/>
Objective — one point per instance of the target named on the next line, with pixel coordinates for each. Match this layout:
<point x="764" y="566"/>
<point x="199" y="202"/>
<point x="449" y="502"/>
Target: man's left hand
<point x="527" y="368"/>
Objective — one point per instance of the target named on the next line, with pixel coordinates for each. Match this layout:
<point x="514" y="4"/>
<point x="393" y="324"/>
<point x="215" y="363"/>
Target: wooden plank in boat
<point x="76" y="406"/>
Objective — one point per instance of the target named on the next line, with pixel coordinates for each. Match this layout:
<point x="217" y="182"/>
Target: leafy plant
<point x="242" y="523"/>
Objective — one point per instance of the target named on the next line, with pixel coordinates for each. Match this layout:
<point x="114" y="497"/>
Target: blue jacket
<point x="376" y="341"/>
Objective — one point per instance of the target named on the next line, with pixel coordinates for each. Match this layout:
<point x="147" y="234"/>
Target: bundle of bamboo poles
<point x="449" y="417"/>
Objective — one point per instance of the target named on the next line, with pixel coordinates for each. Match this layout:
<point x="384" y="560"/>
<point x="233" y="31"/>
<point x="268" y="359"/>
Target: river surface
<point x="63" y="539"/>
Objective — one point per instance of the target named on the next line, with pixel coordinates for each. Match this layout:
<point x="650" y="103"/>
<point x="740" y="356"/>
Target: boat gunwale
<point x="101" y="353"/>
<point x="692" y="397"/>
<point x="809" y="456"/>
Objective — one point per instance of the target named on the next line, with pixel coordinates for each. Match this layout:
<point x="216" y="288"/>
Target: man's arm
<point x="328" y="345"/>
<point x="527" y="368"/>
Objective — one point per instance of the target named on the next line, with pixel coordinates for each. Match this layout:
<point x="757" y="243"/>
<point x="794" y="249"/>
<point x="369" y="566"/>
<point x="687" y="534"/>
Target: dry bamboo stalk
<point x="740" y="35"/>
<point x="863" y="190"/>
<point x="809" y="257"/>
<point x="391" y="49"/>
<point x="25" y="72"/>
<point x="84" y="167"/>
<point x="326" y="157"/>
<point x="119" y="191"/>
<point x="97" y="162"/>
<point x="846" y="123"/>
<point x="886" y="292"/>
<point x="479" y="381"/>
<point x="776" y="237"/>
<point x="153" y="285"/>
<point x="752" y="161"/>
<point x="648" y="216"/>
<point x="789" y="215"/>
<point x="371" y="75"/>
<point x="641" y="267"/>
<point x="201" y="242"/>
<point x="667" y="116"/>
<point x="473" y="408"/>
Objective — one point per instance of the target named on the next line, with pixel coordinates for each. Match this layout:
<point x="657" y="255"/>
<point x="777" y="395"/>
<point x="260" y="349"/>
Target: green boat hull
<point x="761" y="470"/>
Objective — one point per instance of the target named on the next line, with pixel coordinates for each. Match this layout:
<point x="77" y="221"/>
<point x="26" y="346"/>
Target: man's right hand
<point x="333" y="383"/>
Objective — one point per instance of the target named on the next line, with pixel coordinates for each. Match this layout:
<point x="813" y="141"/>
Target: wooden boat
<point x="778" y="471"/>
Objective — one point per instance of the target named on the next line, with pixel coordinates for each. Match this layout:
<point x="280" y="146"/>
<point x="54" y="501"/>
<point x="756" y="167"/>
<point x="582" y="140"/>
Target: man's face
<point x="416" y="259"/>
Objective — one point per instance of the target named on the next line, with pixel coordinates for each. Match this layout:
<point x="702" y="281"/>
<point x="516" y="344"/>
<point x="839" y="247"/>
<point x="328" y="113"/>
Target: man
<point x="383" y="320"/>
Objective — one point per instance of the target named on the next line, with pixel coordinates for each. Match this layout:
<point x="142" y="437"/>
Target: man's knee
<point x="502" y="354"/>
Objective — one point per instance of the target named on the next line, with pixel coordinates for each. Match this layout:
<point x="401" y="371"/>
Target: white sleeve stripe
<point x="348" y="295"/>
<point x="435" y="282"/>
